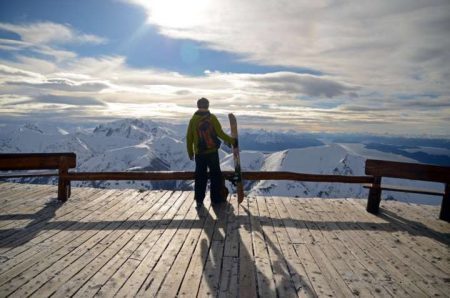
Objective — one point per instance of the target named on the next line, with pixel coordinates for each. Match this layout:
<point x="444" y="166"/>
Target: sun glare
<point x="177" y="13"/>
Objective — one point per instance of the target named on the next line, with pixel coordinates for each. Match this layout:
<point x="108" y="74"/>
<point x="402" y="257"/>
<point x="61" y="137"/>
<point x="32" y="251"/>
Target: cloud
<point x="64" y="85"/>
<point x="301" y="84"/>
<point x="68" y="100"/>
<point x="46" y="33"/>
<point x="375" y="44"/>
<point x="7" y="71"/>
<point x="12" y="76"/>
<point x="13" y="100"/>
<point x="46" y="38"/>
<point x="106" y="87"/>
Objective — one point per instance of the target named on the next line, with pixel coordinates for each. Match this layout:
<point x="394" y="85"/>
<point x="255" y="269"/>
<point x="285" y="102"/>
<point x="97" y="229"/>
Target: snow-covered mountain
<point x="123" y="145"/>
<point x="143" y="145"/>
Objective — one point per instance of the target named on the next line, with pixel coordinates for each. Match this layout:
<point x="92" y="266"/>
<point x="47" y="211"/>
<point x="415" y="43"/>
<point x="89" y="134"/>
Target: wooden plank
<point x="421" y="248"/>
<point x="351" y="270"/>
<point x="59" y="258"/>
<point x="419" y="215"/>
<point x="158" y="240"/>
<point x="44" y="249"/>
<point x="311" y="254"/>
<point x="40" y="240"/>
<point x="373" y="270"/>
<point x="4" y="186"/>
<point x="117" y="249"/>
<point x="30" y="232"/>
<point x="35" y="161"/>
<point x="35" y="174"/>
<point x="21" y="215"/>
<point x="229" y="279"/>
<point x="48" y="210"/>
<point x="398" y="267"/>
<point x="260" y="225"/>
<point x="121" y="260"/>
<point x="247" y="274"/>
<point x="281" y="250"/>
<point x="363" y="238"/>
<point x="176" y="273"/>
<point x="161" y="175"/>
<point x="60" y="271"/>
<point x="210" y="282"/>
<point x="63" y="271"/>
<point x="209" y="285"/>
<point x="22" y="197"/>
<point x="337" y="272"/>
<point x="419" y="226"/>
<point x="232" y="236"/>
<point x="406" y="170"/>
<point x="409" y="189"/>
<point x="299" y="275"/>
<point x="175" y="236"/>
<point x="44" y="208"/>
<point x="192" y="278"/>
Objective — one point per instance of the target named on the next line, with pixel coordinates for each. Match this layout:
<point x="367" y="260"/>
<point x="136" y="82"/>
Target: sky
<point x="379" y="67"/>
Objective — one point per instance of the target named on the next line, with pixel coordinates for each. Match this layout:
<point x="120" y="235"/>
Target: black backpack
<point x="207" y="137"/>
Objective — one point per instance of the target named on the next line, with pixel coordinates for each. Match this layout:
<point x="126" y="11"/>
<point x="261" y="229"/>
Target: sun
<point x="177" y="13"/>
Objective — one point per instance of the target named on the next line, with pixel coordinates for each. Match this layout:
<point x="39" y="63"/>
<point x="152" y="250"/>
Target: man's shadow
<point x="248" y="278"/>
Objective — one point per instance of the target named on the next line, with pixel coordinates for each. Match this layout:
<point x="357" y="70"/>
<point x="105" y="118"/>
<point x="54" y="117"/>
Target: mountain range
<point x="144" y="145"/>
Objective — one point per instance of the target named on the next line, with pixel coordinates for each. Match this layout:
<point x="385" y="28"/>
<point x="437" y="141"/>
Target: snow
<point x="142" y="145"/>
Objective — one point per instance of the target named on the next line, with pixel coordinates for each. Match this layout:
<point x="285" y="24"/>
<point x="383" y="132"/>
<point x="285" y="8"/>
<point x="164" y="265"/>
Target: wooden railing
<point x="402" y="170"/>
<point x="83" y="176"/>
<point x="41" y="161"/>
<point x="375" y="170"/>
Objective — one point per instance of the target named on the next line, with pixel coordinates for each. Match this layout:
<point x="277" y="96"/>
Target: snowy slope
<point x="328" y="159"/>
<point x="138" y="145"/>
<point x="331" y="159"/>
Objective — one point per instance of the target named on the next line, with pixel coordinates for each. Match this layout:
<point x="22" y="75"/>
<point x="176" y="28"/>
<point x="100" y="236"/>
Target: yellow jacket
<point x="192" y="136"/>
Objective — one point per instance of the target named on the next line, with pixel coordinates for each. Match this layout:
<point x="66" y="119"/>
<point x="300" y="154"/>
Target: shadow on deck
<point x="128" y="243"/>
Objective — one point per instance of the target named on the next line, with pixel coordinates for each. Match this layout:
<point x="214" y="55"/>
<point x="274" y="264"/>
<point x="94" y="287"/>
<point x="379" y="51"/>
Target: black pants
<point x="202" y="163"/>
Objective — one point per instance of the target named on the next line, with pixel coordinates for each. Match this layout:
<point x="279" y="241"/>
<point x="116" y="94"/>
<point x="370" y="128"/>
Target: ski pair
<point x="237" y="177"/>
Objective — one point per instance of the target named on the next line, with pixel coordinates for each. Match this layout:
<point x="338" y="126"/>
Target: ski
<point x="237" y="178"/>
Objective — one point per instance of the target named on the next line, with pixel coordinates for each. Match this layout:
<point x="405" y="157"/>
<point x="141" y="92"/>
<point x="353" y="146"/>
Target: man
<point x="203" y="142"/>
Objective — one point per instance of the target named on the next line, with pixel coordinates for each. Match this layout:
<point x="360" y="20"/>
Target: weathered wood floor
<point x="155" y="243"/>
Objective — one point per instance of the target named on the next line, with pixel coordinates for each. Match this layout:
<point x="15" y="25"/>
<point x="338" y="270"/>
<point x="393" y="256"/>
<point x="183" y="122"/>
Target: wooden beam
<point x="63" y="182"/>
<point x="373" y="201"/>
<point x="445" y="206"/>
<point x="404" y="170"/>
<point x="29" y="175"/>
<point x="35" y="161"/>
<point x="306" y="177"/>
<point x="81" y="176"/>
<point x="409" y="190"/>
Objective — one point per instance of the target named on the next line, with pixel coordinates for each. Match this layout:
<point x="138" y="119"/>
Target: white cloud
<point x="7" y="71"/>
<point x="107" y="87"/>
<point x="368" y="54"/>
<point x="45" y="39"/>
<point x="377" y="44"/>
<point x="45" y="33"/>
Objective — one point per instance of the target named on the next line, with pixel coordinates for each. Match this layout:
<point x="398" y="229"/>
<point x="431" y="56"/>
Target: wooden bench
<point x="42" y="161"/>
<point x="381" y="168"/>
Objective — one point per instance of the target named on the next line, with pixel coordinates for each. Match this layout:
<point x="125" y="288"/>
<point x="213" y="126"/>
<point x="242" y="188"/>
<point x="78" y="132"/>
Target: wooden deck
<point x="155" y="243"/>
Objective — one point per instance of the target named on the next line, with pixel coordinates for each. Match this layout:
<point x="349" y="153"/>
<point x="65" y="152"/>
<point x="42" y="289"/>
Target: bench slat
<point x="407" y="189"/>
<point x="35" y="161"/>
<point x="382" y="168"/>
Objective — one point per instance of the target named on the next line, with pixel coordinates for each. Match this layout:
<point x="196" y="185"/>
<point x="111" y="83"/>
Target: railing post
<point x="373" y="202"/>
<point x="63" y="190"/>
<point x="445" y="205"/>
